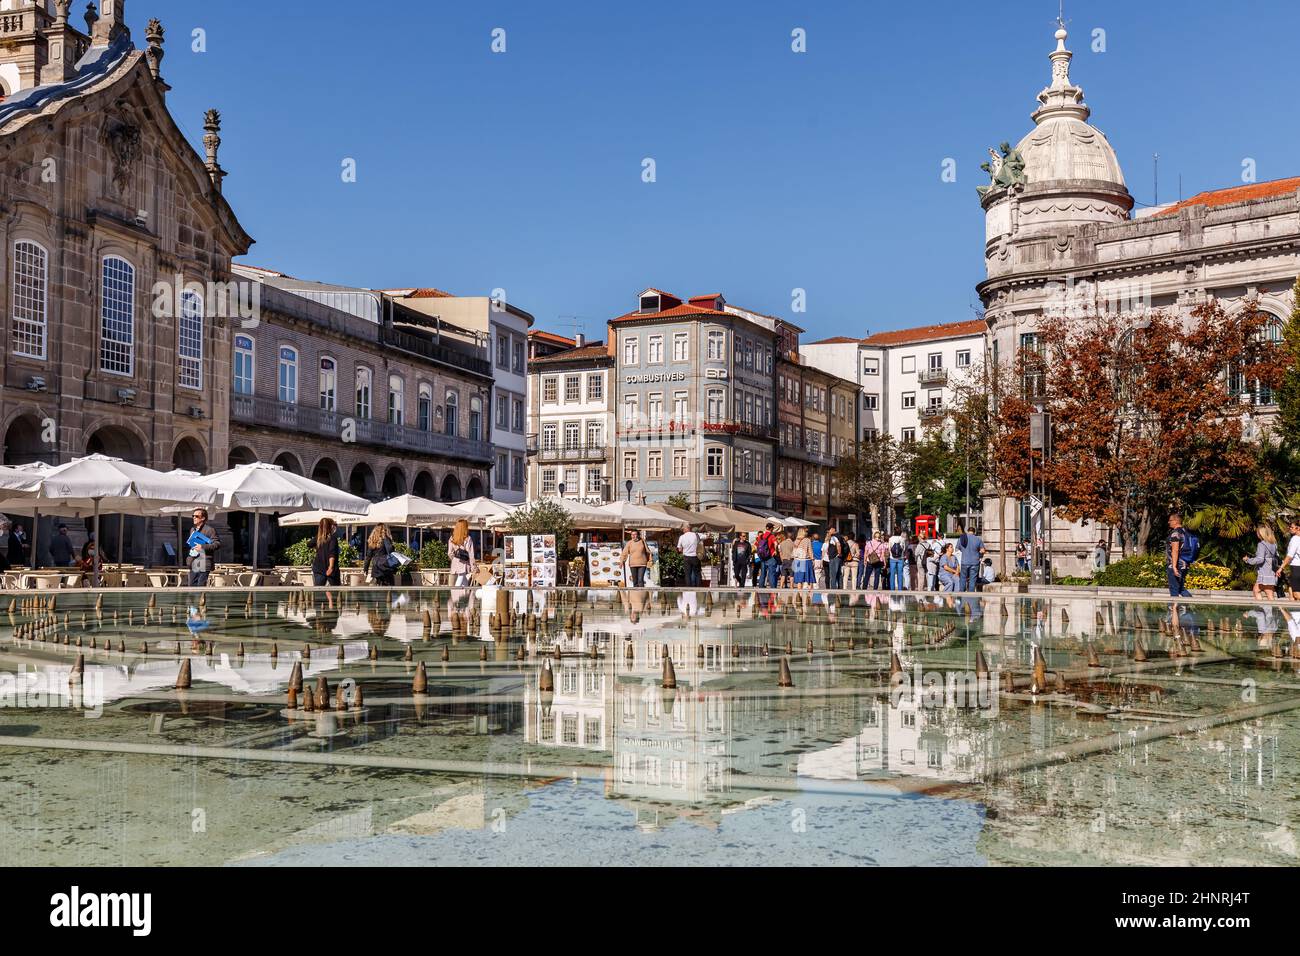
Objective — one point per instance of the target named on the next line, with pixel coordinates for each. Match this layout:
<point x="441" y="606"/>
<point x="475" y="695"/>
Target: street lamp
<point x="561" y="486"/>
<point x="628" y="485"/>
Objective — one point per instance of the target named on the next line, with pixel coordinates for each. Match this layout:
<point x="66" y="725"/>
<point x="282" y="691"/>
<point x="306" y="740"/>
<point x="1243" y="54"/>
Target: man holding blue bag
<point x="202" y="543"/>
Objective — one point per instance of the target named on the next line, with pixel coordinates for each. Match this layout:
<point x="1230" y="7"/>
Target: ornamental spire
<point x="1061" y="97"/>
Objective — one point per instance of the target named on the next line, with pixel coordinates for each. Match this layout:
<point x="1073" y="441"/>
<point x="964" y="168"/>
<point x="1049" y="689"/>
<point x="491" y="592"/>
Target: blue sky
<point x="774" y="170"/>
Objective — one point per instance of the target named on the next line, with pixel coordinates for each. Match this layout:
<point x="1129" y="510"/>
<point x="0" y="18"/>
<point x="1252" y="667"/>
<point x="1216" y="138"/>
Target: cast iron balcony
<point x="932" y="376"/>
<point x="262" y="410"/>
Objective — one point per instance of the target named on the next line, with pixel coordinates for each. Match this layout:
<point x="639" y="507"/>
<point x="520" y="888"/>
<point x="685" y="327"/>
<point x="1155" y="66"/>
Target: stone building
<point x="349" y="387"/>
<point x="571" y="424"/>
<point x="507" y="328"/>
<point x="695" y="407"/>
<point x="117" y="248"/>
<point x="542" y="343"/>
<point x="1059" y="238"/>
<point x="805" y="461"/>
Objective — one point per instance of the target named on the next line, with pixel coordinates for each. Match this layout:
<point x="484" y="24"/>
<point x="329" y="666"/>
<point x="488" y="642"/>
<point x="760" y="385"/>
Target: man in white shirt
<point x="689" y="545"/>
<point x="1291" y="565"/>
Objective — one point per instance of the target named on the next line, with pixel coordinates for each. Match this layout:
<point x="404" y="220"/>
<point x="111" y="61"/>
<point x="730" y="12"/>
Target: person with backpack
<point x="930" y="559"/>
<point x="897" y="558"/>
<point x="1180" y="551"/>
<point x="742" y="557"/>
<point x="765" y="550"/>
<point x="1266" y="562"/>
<point x="833" y="553"/>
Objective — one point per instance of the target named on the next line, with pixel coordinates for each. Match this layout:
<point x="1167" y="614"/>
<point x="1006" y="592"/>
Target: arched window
<point x="30" y="298"/>
<point x="329" y="383"/>
<point x="475" y="418"/>
<point x="288" y="377"/>
<point x="243" y="365"/>
<point x="424" y="411"/>
<point x="117" y="317"/>
<point x="189" y="343"/>
<point x="451" y="413"/>
<point x="363" y="392"/>
<point x="1252" y="391"/>
<point x="396" y="399"/>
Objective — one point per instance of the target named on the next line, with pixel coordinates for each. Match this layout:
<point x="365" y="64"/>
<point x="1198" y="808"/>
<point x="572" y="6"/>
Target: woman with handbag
<point x="380" y="562"/>
<point x="461" y="551"/>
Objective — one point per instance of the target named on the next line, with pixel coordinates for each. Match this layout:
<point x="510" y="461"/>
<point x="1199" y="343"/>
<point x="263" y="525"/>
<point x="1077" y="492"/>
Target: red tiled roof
<point x="592" y="351"/>
<point x="927" y="333"/>
<point x="835" y="340"/>
<point x="684" y="311"/>
<point x="1222" y="197"/>
<point x="428" y="293"/>
<point x="552" y="337"/>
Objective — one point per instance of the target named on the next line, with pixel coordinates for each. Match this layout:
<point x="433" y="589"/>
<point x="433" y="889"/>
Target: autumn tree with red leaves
<point x="1143" y="411"/>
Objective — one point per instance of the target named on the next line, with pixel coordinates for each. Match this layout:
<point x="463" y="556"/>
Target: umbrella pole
<point x="257" y="533"/>
<point x="180" y="542"/>
<point x="121" y="537"/>
<point x="98" y="562"/>
<point x="36" y="535"/>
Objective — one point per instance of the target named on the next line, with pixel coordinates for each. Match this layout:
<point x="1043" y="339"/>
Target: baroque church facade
<point x="1060" y="234"/>
<point x="115" y="234"/>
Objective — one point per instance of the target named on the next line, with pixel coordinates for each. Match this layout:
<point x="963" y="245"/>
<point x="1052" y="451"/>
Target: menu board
<point x="515" y="560"/>
<point x="606" y="568"/>
<point x="544" y="560"/>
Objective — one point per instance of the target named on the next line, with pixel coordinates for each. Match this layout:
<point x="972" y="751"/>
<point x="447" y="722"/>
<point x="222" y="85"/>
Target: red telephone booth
<point x="927" y="526"/>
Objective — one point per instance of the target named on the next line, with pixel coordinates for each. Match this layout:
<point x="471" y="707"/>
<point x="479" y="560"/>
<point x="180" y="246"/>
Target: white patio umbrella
<point x="479" y="510"/>
<point x="407" y="510"/>
<point x="309" y="519"/>
<point x="584" y="516"/>
<point x="100" y="483"/>
<point x="263" y="488"/>
<point x="640" y="516"/>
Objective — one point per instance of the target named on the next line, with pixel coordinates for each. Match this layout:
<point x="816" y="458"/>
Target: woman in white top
<point x="1292" y="563"/>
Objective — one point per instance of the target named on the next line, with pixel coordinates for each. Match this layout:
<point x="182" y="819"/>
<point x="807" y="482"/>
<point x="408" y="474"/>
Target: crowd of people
<point x="803" y="560"/>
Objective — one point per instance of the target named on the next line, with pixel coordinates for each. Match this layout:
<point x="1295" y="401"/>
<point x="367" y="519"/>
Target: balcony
<point x="931" y="413"/>
<point x="572" y="453"/>
<point x="932" y="376"/>
<point x="260" y="410"/>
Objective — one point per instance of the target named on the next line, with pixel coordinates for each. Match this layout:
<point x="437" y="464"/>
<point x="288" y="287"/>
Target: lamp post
<point x="628" y="485"/>
<point x="561" y="486"/>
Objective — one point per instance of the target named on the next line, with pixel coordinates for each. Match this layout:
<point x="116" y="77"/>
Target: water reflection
<point x="1076" y="730"/>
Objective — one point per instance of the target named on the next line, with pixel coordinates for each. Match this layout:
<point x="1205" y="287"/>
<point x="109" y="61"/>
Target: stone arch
<point x="118" y="440"/>
<point x="241" y="455"/>
<point x="23" y="443"/>
<point x="450" y="488"/>
<point x="425" y="486"/>
<point x="289" y="462"/>
<point x="361" y="481"/>
<point x="327" y="471"/>
<point x="394" y="482"/>
<point x="189" y="454"/>
<point x="475" y="487"/>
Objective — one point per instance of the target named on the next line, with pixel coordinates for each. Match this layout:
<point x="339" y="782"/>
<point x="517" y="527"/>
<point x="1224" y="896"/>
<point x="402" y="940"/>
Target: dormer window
<point x="650" y="303"/>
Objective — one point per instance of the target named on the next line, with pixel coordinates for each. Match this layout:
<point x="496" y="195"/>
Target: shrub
<point x="1148" y="571"/>
<point x="302" y="553"/>
<point x="672" y="570"/>
<point x="434" y="555"/>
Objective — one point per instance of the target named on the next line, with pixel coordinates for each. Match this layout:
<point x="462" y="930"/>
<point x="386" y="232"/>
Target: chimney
<point x="579" y="340"/>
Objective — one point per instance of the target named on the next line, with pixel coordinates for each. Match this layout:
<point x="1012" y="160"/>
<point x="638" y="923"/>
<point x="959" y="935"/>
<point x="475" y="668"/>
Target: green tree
<point x="868" y="478"/>
<point x="680" y="500"/>
<point x="542" y="517"/>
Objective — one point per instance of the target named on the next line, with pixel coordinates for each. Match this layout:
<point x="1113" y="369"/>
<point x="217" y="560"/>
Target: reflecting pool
<point x="535" y="727"/>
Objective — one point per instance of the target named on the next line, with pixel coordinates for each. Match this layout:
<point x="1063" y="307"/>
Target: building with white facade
<point x="905" y="378"/>
<point x="506" y="329"/>
<point x="1059" y="237"/>
<point x="570" y="431"/>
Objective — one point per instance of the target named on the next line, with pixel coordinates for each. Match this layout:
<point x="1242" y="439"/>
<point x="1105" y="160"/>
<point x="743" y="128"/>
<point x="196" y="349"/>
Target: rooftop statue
<point x="1005" y="169"/>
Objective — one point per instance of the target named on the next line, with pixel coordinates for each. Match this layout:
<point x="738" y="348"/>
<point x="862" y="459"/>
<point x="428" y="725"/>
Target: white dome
<point x="1065" y="147"/>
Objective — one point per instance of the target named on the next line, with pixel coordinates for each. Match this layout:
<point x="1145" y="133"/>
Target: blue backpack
<point x="1191" y="548"/>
